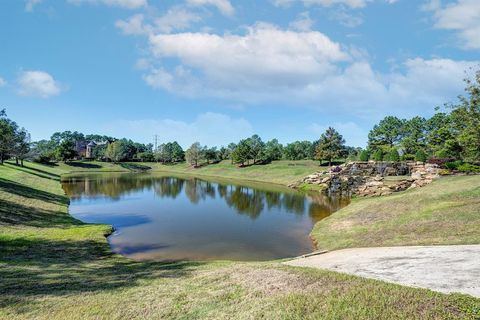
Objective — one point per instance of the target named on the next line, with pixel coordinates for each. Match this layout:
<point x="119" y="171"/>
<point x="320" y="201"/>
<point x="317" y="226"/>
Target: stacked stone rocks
<point x="368" y="178"/>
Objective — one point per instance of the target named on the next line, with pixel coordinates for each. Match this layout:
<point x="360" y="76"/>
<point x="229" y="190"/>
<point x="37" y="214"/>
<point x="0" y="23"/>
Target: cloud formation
<point x="2" y="82"/>
<point x="224" y="6"/>
<point x="127" y="4"/>
<point x="37" y="84"/>
<point x="462" y="16"/>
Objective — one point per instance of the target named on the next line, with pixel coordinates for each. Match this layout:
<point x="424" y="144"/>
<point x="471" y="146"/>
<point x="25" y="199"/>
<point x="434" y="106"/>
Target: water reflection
<point x="164" y="217"/>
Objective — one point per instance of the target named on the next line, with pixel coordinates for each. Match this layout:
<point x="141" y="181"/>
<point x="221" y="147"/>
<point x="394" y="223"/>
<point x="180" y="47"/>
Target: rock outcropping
<point x="373" y="178"/>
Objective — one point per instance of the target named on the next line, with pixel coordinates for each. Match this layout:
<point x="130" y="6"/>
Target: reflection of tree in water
<point x="246" y="200"/>
<point x="168" y="187"/>
<point x="294" y="203"/>
<point x="323" y="206"/>
<point x="274" y="199"/>
<point x="197" y="190"/>
<point x="112" y="187"/>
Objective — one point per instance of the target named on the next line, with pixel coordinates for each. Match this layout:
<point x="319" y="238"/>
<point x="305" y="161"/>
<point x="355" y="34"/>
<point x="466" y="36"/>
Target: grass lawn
<point x="55" y="267"/>
<point x="444" y="212"/>
<point x="279" y="172"/>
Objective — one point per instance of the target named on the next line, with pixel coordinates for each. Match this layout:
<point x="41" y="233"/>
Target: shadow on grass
<point x="35" y="267"/>
<point x="134" y="166"/>
<point x="36" y="172"/>
<point x="84" y="165"/>
<point x="28" y="192"/>
<point x="15" y="214"/>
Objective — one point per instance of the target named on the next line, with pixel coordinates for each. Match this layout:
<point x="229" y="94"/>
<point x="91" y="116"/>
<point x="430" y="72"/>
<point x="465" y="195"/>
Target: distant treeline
<point x="451" y="135"/>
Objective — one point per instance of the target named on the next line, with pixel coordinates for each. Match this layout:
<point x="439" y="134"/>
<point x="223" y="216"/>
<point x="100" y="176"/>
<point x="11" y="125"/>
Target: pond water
<point x="170" y="218"/>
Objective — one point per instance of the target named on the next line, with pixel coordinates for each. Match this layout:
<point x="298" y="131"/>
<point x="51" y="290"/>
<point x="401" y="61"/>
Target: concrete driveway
<point x="445" y="269"/>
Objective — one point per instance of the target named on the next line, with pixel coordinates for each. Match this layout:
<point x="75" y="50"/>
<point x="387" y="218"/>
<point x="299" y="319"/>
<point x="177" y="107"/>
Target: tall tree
<point x="330" y="146"/>
<point x="194" y="154"/>
<point x="242" y="152"/>
<point x="386" y="134"/>
<point x="22" y="146"/>
<point x="273" y="151"/>
<point x="466" y="116"/>
<point x="66" y="150"/>
<point x="8" y="130"/>
<point x="414" y="138"/>
<point x="256" y="147"/>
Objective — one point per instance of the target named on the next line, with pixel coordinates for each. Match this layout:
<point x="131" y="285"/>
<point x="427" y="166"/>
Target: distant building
<point x="89" y="149"/>
<point x="85" y="149"/>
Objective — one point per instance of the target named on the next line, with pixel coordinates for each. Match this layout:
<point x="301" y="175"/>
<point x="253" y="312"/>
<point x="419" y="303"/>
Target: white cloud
<point x="2" y="82"/>
<point x="30" y="4"/>
<point x="37" y="84"/>
<point x="264" y="57"/>
<point x="224" y="6"/>
<point x="354" y="4"/>
<point x="303" y="22"/>
<point x="345" y="18"/>
<point x="127" y="4"/>
<point x="269" y="65"/>
<point x="462" y="16"/>
<point x="213" y="129"/>
<point x="176" y="18"/>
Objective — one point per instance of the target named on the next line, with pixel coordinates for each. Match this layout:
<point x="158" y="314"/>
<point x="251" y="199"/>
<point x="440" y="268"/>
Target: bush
<point x="421" y="156"/>
<point x="393" y="155"/>
<point x="378" y="155"/>
<point x="364" y="156"/>
<point x="408" y="156"/>
<point x="453" y="165"/>
<point x="444" y="172"/>
<point x="468" y="167"/>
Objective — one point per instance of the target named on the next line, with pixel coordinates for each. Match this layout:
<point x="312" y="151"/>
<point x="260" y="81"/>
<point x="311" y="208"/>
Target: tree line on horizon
<point x="452" y="134"/>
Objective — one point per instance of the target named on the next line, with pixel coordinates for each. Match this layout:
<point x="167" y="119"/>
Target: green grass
<point x="445" y="212"/>
<point x="55" y="267"/>
<point x="278" y="172"/>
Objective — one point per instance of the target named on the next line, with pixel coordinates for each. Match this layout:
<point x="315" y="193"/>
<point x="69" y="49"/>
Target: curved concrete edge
<point x="446" y="269"/>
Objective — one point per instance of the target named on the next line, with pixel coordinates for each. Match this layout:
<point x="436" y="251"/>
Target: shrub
<point x="378" y="155"/>
<point x="468" y="167"/>
<point x="408" y="156"/>
<point x="421" y="156"/>
<point x="393" y="155"/>
<point x="444" y="172"/>
<point x="453" y="165"/>
<point x="364" y="156"/>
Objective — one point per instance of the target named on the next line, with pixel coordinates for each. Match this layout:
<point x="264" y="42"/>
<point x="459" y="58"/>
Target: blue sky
<point x="215" y="71"/>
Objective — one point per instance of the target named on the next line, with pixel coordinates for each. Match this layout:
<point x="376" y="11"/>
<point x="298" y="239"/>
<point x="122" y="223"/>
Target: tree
<point x="421" y="156"/>
<point x="331" y="146"/>
<point x="414" y="134"/>
<point x="194" y="154"/>
<point x="242" y="152"/>
<point x="66" y="150"/>
<point x="378" y="155"/>
<point x="466" y="118"/>
<point x="386" y="134"/>
<point x="257" y="146"/>
<point x="299" y="150"/>
<point x="178" y="155"/>
<point x="22" y="146"/>
<point x="364" y="155"/>
<point x="273" y="151"/>
<point x="442" y="136"/>
<point x="8" y="130"/>
<point x="393" y="155"/>
<point x="211" y="154"/>
<point x="115" y="151"/>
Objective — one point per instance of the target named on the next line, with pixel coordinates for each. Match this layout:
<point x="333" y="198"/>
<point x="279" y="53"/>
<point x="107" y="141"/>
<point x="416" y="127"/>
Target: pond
<point x="160" y="217"/>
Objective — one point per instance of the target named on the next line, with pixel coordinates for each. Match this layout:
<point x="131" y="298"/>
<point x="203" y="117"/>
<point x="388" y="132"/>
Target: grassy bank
<point x="279" y="172"/>
<point x="55" y="267"/>
<point x="445" y="212"/>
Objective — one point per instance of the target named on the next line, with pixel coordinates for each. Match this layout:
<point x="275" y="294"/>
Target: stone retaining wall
<point x="368" y="178"/>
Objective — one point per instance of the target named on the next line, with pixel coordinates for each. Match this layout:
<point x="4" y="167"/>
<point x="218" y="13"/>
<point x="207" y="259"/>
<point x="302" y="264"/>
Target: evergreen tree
<point x="330" y="146"/>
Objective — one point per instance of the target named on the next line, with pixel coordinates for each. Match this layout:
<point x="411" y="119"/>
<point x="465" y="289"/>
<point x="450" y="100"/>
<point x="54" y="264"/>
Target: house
<point x="85" y="149"/>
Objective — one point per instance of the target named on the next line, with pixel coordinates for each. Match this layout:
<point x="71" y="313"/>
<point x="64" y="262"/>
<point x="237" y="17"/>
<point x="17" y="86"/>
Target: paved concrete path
<point x="446" y="269"/>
